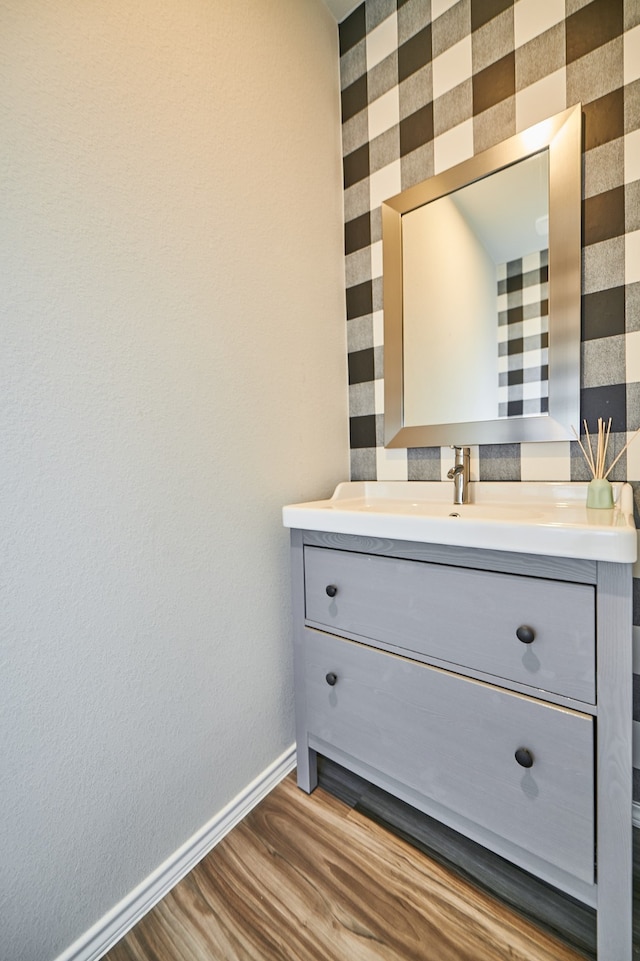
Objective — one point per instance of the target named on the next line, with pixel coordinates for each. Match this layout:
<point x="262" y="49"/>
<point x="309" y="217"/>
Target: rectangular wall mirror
<point x="481" y="274"/>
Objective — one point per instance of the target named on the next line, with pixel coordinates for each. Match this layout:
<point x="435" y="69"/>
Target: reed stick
<point x="603" y="443"/>
<point x="589" y="448"/>
<point x="584" y="453"/>
<point x="633" y="437"/>
<point x="598" y="464"/>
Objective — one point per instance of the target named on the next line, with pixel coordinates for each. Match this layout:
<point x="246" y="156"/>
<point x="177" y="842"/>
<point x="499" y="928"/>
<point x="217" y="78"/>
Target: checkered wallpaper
<point x="428" y="83"/>
<point x="523" y="335"/>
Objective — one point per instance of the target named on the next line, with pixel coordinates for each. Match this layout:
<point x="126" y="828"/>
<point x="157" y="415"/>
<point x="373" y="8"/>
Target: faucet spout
<point x="459" y="473"/>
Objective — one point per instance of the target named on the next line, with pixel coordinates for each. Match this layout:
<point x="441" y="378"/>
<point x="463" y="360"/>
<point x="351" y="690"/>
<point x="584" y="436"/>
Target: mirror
<point x="481" y="274"/>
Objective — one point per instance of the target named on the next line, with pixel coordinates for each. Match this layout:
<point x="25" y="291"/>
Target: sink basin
<point x="533" y="518"/>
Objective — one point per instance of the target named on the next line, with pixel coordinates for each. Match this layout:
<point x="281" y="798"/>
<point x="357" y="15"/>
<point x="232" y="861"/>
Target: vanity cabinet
<point x="489" y="689"/>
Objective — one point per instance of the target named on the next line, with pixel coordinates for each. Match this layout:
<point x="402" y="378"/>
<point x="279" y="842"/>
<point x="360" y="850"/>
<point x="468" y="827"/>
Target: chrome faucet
<point x="459" y="473"/>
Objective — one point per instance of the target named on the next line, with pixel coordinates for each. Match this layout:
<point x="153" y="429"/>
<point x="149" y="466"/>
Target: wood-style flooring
<point x="311" y="878"/>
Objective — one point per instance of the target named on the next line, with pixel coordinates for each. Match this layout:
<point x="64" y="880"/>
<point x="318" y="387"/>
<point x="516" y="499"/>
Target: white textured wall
<point x="172" y="372"/>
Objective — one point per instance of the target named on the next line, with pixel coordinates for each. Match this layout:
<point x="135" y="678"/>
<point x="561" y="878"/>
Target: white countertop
<point x="546" y="518"/>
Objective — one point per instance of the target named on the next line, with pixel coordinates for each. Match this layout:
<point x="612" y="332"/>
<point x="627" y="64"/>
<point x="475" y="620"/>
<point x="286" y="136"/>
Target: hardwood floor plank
<point x="306" y="878"/>
<point x="560" y="915"/>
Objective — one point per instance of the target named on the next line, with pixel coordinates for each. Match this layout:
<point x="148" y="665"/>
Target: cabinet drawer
<point x="453" y="740"/>
<point x="465" y="617"/>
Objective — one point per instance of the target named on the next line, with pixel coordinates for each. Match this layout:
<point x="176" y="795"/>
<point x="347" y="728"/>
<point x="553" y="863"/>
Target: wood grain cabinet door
<point x="530" y="630"/>
<point x="454" y="740"/>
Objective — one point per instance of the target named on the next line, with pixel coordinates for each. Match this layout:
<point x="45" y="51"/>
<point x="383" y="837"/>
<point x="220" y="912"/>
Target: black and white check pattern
<point x="428" y="83"/>
<point x="425" y="85"/>
<point x="523" y="335"/>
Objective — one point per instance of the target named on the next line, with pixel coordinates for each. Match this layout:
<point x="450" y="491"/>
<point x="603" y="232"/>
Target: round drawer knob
<point x="524" y="757"/>
<point x="525" y="634"/>
<point x="331" y="678"/>
<point x="331" y="590"/>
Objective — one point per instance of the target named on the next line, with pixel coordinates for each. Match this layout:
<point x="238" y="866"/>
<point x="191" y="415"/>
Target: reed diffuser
<point x="599" y="492"/>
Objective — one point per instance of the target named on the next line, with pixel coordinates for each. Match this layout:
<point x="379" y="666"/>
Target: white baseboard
<point x="115" y="924"/>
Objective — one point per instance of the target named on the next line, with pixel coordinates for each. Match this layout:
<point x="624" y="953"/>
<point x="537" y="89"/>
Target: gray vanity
<point x="476" y="662"/>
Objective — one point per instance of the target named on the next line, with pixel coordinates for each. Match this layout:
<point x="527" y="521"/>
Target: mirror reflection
<point x="481" y="290"/>
<point x="487" y="306"/>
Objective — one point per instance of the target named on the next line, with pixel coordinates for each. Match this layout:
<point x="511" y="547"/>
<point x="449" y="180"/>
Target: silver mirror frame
<point x="562" y="135"/>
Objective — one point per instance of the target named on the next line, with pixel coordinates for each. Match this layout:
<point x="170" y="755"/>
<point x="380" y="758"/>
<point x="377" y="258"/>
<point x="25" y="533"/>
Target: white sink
<point x="532" y="518"/>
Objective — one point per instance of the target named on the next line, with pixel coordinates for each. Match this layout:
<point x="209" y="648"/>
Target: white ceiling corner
<point x="342" y="8"/>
